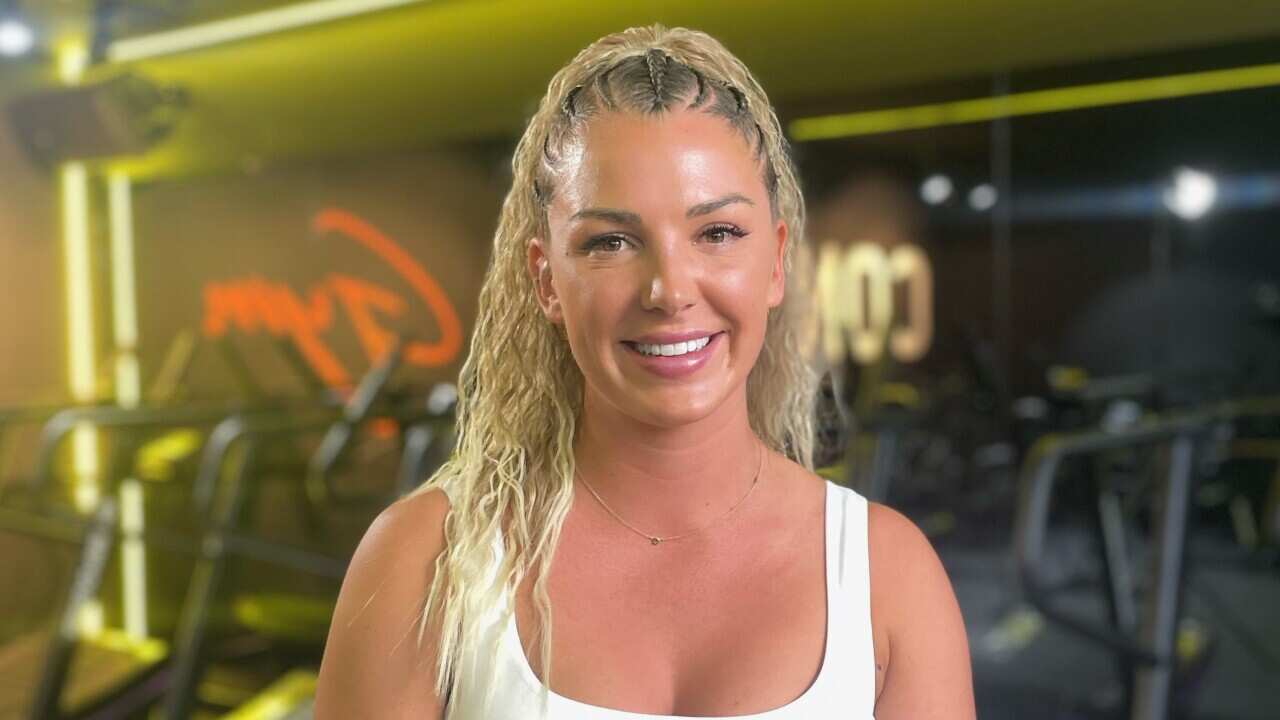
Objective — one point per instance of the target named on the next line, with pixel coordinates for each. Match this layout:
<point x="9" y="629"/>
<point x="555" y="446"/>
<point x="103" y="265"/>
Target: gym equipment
<point x="1147" y="640"/>
<point x="138" y="684"/>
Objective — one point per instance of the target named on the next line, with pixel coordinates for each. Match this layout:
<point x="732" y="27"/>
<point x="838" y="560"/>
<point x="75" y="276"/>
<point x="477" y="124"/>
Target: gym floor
<point x="1026" y="667"/>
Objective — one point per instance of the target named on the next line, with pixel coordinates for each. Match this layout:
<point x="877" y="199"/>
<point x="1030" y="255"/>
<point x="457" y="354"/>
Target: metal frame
<point x="1153" y="648"/>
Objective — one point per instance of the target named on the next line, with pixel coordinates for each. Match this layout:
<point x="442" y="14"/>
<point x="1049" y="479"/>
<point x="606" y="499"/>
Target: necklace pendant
<point x="655" y="540"/>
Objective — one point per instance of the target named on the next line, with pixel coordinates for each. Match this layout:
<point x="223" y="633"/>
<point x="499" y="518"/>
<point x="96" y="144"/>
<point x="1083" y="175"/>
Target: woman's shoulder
<point x="906" y="573"/>
<point x="919" y="632"/>
<point x="404" y="540"/>
<point x="411" y="529"/>
<point x="377" y="618"/>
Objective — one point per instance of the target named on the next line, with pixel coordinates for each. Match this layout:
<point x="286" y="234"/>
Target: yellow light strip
<point x="73" y="59"/>
<point x="75" y="228"/>
<point x="124" y="299"/>
<point x="280" y="699"/>
<point x="80" y="336"/>
<point x="149" y="650"/>
<point x="84" y="468"/>
<point x="874" y="122"/>
<point x="89" y="619"/>
<point x="244" y="27"/>
<point x="133" y="559"/>
<point x="128" y="380"/>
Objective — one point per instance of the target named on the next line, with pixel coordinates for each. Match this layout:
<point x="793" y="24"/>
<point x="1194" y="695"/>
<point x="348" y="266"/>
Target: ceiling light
<point x="1192" y="194"/>
<point x="983" y="197"/>
<point x="1035" y="102"/>
<point x="936" y="189"/>
<point x="243" y="27"/>
<point x="16" y="37"/>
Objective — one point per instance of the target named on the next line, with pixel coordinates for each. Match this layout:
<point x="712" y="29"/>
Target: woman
<point x="633" y="468"/>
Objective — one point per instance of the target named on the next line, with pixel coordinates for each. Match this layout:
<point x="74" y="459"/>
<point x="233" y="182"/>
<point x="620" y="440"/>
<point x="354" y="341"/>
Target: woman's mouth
<point x="673" y="360"/>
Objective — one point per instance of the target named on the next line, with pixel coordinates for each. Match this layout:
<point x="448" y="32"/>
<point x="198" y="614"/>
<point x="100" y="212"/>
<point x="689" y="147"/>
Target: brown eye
<point x="723" y="234"/>
<point x="606" y="243"/>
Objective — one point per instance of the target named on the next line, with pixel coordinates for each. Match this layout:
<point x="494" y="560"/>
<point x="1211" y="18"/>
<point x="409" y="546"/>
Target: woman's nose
<point x="671" y="282"/>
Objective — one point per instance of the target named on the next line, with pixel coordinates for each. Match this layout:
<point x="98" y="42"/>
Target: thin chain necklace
<point x="657" y="540"/>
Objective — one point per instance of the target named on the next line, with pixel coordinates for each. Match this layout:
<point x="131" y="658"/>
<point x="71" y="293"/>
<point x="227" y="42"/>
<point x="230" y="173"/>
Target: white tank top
<point x="844" y="687"/>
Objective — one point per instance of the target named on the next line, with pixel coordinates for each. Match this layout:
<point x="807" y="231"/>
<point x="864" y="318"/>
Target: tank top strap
<point x="849" y="581"/>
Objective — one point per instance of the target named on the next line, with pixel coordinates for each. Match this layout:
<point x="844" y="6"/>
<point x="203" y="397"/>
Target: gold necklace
<point x="655" y="539"/>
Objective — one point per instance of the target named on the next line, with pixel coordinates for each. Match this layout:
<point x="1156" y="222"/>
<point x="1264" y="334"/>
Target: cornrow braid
<point x="701" y="97"/>
<point x="656" y="60"/>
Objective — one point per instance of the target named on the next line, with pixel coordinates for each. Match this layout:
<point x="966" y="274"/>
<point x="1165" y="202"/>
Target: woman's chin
<point x="674" y="411"/>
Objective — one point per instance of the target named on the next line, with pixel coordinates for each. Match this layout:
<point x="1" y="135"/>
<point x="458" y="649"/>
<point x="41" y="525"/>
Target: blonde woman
<point x="630" y="527"/>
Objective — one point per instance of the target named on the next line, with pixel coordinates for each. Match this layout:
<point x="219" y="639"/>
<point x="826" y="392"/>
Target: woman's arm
<point x="920" y="637"/>
<point x="373" y="666"/>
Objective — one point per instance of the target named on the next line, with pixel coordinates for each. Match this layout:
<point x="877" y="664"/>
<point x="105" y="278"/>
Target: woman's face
<point x="662" y="262"/>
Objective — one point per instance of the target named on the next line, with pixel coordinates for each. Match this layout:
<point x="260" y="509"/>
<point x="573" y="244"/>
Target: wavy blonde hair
<point x="520" y="391"/>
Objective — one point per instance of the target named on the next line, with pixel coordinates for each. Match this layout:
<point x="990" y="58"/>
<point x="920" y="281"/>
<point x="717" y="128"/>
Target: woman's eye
<point x="606" y="243"/>
<point x="721" y="234"/>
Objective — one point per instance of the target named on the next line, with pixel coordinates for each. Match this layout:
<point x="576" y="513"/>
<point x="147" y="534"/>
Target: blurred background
<point x="241" y="243"/>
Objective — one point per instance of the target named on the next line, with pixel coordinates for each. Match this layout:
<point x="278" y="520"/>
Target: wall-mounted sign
<point x="252" y="304"/>
<point x="874" y="299"/>
<point x="332" y="259"/>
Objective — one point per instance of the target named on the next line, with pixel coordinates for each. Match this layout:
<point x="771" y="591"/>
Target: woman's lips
<point x="675" y="366"/>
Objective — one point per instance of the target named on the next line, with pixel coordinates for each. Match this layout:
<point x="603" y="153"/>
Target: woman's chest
<point x="740" y="634"/>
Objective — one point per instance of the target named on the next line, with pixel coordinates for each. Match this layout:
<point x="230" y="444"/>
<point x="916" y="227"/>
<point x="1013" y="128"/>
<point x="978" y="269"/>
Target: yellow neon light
<point x="124" y="298"/>
<point x="133" y="559"/>
<point x="1037" y="102"/>
<point x="146" y="650"/>
<point x="128" y="380"/>
<point x="84" y="468"/>
<point x="80" y="336"/>
<point x="89" y="619"/>
<point x="280" y="699"/>
<point x="75" y="228"/>
<point x="243" y="27"/>
<point x="73" y="59"/>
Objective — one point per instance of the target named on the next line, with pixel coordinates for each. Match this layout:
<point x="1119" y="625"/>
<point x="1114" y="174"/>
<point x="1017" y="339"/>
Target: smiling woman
<point x="634" y="456"/>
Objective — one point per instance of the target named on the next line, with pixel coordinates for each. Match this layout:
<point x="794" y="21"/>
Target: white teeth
<point x="680" y="348"/>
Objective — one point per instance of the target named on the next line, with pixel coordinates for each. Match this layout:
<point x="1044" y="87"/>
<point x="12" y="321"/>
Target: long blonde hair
<point x="520" y="390"/>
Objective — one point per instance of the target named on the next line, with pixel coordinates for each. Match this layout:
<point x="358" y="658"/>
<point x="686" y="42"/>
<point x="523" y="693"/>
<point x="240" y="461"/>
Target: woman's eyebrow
<point x="713" y="205"/>
<point x="626" y="217"/>
<point x="621" y="217"/>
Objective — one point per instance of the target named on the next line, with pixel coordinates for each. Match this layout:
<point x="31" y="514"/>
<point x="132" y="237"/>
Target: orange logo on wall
<point x="255" y="304"/>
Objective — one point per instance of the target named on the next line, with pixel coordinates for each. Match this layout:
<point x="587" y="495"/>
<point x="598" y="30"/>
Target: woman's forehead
<point x="685" y="157"/>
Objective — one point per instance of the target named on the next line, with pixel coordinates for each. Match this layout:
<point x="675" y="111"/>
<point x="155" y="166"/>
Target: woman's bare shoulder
<point x="374" y="664"/>
<point x="922" y="653"/>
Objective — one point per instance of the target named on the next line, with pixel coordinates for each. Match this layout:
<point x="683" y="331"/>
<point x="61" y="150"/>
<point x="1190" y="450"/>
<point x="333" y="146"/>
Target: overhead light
<point x="1036" y="102"/>
<point x="983" y="197"/>
<point x="1192" y="194"/>
<point x="936" y="189"/>
<point x="16" y="37"/>
<point x="218" y="32"/>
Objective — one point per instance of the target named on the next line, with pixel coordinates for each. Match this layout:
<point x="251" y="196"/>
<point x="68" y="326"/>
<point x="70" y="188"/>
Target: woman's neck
<point x="668" y="480"/>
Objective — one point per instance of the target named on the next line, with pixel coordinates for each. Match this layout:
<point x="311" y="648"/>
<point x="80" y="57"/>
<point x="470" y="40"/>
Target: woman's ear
<point x="778" y="276"/>
<point x="539" y="266"/>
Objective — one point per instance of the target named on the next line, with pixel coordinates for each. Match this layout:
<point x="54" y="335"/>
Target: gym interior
<point x="241" y="247"/>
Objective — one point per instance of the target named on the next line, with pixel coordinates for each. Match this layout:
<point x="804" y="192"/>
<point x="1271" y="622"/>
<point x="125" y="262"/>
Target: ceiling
<point x="446" y="71"/>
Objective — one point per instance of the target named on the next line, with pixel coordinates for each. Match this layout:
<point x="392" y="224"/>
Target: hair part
<point x="520" y="390"/>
